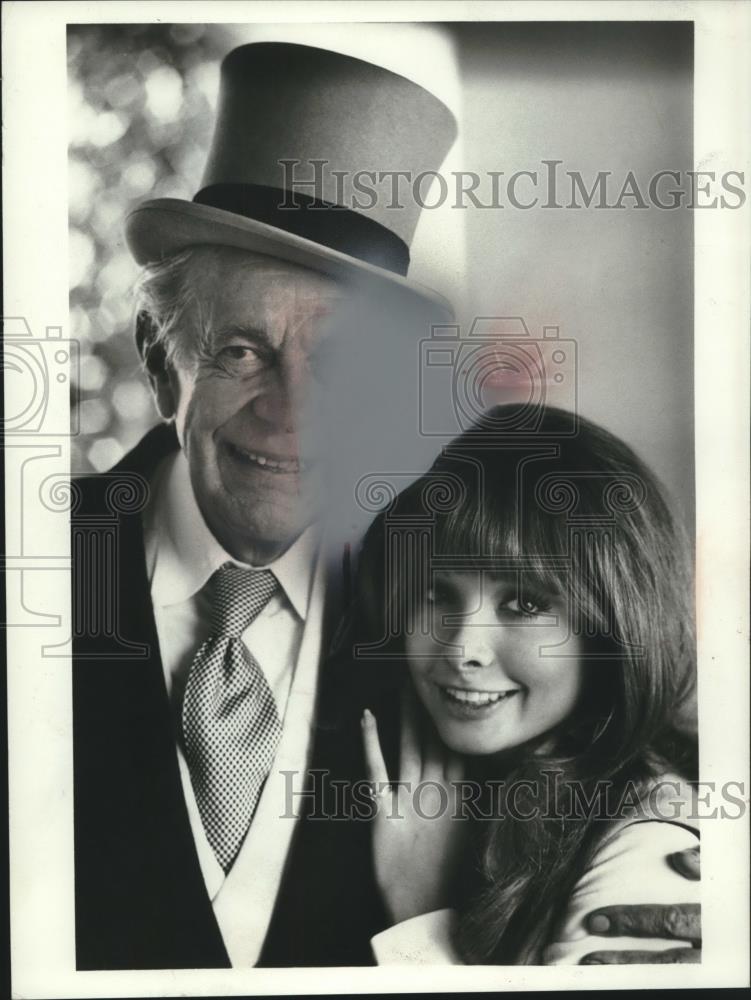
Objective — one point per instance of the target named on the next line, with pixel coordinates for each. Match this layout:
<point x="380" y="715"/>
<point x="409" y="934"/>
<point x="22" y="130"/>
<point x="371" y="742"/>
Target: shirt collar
<point x="187" y="554"/>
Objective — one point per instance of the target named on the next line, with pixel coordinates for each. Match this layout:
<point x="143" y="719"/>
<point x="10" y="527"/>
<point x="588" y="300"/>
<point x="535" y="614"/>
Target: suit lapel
<point x="140" y="896"/>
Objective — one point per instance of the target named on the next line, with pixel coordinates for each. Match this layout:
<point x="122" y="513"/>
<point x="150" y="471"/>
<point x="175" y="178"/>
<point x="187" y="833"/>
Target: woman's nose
<point x="475" y="647"/>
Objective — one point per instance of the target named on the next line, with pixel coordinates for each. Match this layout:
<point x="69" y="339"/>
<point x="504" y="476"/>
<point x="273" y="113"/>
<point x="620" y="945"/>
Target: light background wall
<point x="598" y="97"/>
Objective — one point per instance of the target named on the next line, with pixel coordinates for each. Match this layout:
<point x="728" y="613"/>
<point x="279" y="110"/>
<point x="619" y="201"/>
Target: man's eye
<point x="239" y="359"/>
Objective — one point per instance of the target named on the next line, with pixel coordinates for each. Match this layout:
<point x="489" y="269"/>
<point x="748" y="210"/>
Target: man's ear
<point x="154" y="358"/>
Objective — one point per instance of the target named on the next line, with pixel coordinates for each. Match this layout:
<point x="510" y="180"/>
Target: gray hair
<point x="166" y="291"/>
<point x="181" y="320"/>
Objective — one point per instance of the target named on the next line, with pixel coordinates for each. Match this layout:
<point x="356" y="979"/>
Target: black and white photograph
<point x="377" y="496"/>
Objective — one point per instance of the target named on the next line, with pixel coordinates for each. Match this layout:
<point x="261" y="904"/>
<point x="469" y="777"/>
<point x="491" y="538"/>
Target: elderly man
<point x="185" y="853"/>
<point x="185" y="857"/>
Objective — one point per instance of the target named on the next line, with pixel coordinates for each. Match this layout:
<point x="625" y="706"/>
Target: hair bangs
<point x="502" y="538"/>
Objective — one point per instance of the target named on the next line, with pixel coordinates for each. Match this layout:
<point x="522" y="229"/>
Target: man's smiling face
<point x="242" y="387"/>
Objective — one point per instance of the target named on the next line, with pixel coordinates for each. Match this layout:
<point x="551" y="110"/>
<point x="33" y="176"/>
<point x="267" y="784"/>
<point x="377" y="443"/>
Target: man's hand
<point x="687" y="863"/>
<point x="416" y="839"/>
<point x="681" y="922"/>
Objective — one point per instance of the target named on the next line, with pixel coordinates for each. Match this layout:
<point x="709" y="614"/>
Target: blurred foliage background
<point x="141" y="102"/>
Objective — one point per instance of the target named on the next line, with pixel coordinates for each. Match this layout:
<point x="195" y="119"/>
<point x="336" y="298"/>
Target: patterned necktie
<point x="231" y="727"/>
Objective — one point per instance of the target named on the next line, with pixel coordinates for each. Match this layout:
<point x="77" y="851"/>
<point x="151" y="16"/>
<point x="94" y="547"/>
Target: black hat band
<point x="329" y="225"/>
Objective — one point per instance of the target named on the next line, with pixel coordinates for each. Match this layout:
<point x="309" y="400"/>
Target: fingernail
<point x="686" y="863"/>
<point x="591" y="961"/>
<point x="599" y="924"/>
<point x="367" y="715"/>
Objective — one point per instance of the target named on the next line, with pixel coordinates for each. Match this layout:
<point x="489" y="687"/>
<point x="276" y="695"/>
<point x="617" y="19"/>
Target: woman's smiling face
<point x="483" y="665"/>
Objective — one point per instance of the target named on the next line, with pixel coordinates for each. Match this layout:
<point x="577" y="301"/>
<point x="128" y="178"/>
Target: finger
<point x="673" y="956"/>
<point x="687" y="863"/>
<point x="654" y="920"/>
<point x="410" y="754"/>
<point x="373" y="756"/>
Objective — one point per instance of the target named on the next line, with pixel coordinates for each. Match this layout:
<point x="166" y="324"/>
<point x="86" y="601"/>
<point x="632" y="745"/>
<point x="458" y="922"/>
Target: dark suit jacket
<point x="141" y="902"/>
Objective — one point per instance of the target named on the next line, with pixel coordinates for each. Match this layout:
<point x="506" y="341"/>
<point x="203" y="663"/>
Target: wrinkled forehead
<point x="238" y="287"/>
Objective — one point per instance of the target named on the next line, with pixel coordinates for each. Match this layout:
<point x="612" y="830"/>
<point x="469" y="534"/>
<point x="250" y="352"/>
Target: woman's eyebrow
<point x="524" y="578"/>
<point x="443" y="579"/>
<point x="504" y="576"/>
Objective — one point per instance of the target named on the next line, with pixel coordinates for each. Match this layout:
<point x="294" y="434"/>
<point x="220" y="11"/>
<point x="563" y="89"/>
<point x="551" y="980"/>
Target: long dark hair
<point x="579" y="512"/>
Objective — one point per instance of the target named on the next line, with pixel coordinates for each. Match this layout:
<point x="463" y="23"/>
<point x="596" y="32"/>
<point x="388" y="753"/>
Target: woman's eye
<point x="527" y="607"/>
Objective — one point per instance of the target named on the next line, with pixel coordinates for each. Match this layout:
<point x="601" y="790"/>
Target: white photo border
<point x="39" y="721"/>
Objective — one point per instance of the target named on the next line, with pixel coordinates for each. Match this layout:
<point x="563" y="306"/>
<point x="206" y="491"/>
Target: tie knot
<point x="239" y="597"/>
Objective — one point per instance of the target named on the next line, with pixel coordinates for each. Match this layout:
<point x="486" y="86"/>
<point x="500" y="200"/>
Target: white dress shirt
<point x="181" y="556"/>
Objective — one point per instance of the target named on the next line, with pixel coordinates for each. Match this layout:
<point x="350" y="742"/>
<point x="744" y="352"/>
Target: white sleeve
<point x="631" y="867"/>
<point x="421" y="940"/>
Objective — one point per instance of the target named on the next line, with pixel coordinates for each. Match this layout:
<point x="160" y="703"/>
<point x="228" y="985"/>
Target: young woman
<point x="531" y="598"/>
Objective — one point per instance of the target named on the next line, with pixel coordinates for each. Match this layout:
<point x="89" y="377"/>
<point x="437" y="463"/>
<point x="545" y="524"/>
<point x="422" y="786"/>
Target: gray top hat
<point x="292" y="114"/>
